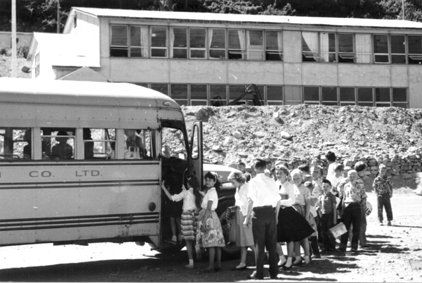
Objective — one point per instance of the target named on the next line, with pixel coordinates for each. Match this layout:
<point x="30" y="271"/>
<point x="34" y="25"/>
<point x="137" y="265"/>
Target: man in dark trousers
<point x="263" y="206"/>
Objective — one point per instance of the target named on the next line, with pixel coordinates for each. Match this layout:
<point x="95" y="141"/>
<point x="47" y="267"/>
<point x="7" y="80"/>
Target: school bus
<point x="82" y="162"/>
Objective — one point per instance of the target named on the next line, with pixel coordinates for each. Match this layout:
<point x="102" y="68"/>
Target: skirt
<point x="188" y="223"/>
<point x="309" y="218"/>
<point x="244" y="236"/>
<point x="292" y="226"/>
<point x="209" y="234"/>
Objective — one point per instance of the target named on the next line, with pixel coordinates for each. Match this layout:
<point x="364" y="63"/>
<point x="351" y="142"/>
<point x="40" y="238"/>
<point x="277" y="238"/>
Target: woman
<point x="302" y="205"/>
<point x="291" y="227"/>
<point x="244" y="237"/>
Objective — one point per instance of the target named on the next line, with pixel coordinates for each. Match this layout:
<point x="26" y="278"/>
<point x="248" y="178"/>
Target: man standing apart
<point x="263" y="207"/>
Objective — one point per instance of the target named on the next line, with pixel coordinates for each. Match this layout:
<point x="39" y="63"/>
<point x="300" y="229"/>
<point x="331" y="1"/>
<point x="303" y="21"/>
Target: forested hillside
<point x="41" y="15"/>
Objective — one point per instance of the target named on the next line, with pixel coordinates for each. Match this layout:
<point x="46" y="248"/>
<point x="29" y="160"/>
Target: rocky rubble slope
<point x="296" y="134"/>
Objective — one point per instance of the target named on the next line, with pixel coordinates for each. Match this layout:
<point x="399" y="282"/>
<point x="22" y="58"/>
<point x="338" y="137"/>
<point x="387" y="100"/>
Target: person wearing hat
<point x="263" y="207"/>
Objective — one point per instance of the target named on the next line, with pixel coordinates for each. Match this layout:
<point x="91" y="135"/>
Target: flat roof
<point x="243" y="18"/>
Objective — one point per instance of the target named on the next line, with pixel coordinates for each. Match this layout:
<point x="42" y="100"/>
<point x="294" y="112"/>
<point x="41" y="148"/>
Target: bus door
<point x="196" y="152"/>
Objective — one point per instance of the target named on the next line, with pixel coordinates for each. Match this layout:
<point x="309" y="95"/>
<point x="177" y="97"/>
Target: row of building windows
<point x="202" y="94"/>
<point x="261" y="45"/>
<point x="195" y="43"/>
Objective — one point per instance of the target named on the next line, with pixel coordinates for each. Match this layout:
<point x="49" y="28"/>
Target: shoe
<point x="281" y="265"/>
<point x="342" y="250"/>
<point x="354" y="251"/>
<point x="317" y="256"/>
<point x="217" y="269"/>
<point x="252" y="276"/>
<point x="240" y="268"/>
<point x="190" y="266"/>
<point x="285" y="267"/>
<point x="273" y="277"/>
<point x="307" y="262"/>
<point x="389" y="223"/>
<point x="299" y="263"/>
<point x="381" y="224"/>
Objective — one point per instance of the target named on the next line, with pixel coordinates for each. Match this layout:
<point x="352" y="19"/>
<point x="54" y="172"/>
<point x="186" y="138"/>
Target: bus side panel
<point x="79" y="202"/>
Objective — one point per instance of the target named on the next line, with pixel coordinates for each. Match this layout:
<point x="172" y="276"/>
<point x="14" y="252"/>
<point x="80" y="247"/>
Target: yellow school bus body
<point x="80" y="201"/>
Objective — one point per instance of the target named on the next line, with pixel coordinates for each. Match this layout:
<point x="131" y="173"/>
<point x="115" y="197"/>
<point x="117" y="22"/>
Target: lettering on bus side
<point x="87" y="173"/>
<point x="43" y="174"/>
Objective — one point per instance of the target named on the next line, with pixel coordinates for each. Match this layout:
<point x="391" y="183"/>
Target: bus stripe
<point x="62" y="185"/>
<point x="123" y="162"/>
<point x="78" y="225"/>
<point x="78" y="221"/>
<point x="82" y="216"/>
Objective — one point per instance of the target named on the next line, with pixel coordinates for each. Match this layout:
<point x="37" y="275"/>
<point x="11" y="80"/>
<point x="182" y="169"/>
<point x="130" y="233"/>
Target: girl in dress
<point x="244" y="237"/>
<point x="302" y="205"/>
<point x="191" y="204"/>
<point x="210" y="234"/>
<point x="291" y="227"/>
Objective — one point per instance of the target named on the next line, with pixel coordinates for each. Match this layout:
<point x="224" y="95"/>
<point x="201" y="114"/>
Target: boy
<point x="242" y="168"/>
<point x="384" y="191"/>
<point x="313" y="238"/>
<point x="326" y="206"/>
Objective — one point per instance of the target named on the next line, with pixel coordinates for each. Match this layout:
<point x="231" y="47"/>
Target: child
<point x="326" y="206"/>
<point x="210" y="234"/>
<point x="302" y="205"/>
<point x="338" y="175"/>
<point x="191" y="203"/>
<point x="314" y="237"/>
<point x="383" y="189"/>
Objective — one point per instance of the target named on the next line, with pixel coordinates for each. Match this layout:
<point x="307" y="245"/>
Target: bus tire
<point x="229" y="249"/>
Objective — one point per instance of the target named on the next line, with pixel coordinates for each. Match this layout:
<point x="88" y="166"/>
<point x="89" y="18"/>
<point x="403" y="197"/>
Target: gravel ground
<point x="394" y="254"/>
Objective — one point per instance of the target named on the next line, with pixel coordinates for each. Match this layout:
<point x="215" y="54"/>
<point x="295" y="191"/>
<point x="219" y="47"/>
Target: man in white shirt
<point x="263" y="206"/>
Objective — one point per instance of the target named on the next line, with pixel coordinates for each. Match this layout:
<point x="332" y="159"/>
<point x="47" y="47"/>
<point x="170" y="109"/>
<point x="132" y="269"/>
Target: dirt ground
<point x="394" y="254"/>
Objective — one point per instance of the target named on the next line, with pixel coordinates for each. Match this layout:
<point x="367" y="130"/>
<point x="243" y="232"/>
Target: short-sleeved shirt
<point x="188" y="198"/>
<point x="263" y="191"/>
<point x="302" y="193"/>
<point x="287" y="193"/>
<point x="327" y="203"/>
<point x="241" y="198"/>
<point x="382" y="185"/>
<point x="353" y="194"/>
<point x="211" y="194"/>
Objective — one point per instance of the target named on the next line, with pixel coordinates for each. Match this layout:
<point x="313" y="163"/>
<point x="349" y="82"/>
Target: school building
<point x="197" y="57"/>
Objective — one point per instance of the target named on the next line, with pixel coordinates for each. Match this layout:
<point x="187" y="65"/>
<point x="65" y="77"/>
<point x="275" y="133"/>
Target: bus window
<point x="60" y="144"/>
<point x="99" y="143"/>
<point x="15" y="144"/>
<point x="138" y="144"/>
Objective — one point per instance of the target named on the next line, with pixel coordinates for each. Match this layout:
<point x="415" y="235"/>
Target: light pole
<point x="58" y="16"/>
<point x="13" y="63"/>
<point x="402" y="7"/>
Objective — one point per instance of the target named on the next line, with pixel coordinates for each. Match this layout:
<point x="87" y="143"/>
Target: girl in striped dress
<point x="191" y="203"/>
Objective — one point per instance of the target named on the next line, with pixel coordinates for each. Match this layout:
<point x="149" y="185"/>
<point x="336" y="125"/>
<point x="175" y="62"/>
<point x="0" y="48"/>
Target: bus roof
<point x="82" y="93"/>
<point x="41" y="103"/>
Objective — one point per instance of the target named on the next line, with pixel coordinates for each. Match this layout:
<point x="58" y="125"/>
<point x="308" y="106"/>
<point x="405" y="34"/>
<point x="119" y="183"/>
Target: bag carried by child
<point x="338" y="230"/>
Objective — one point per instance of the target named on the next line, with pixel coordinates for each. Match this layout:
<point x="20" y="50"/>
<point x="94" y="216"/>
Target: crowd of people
<point x="275" y="206"/>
